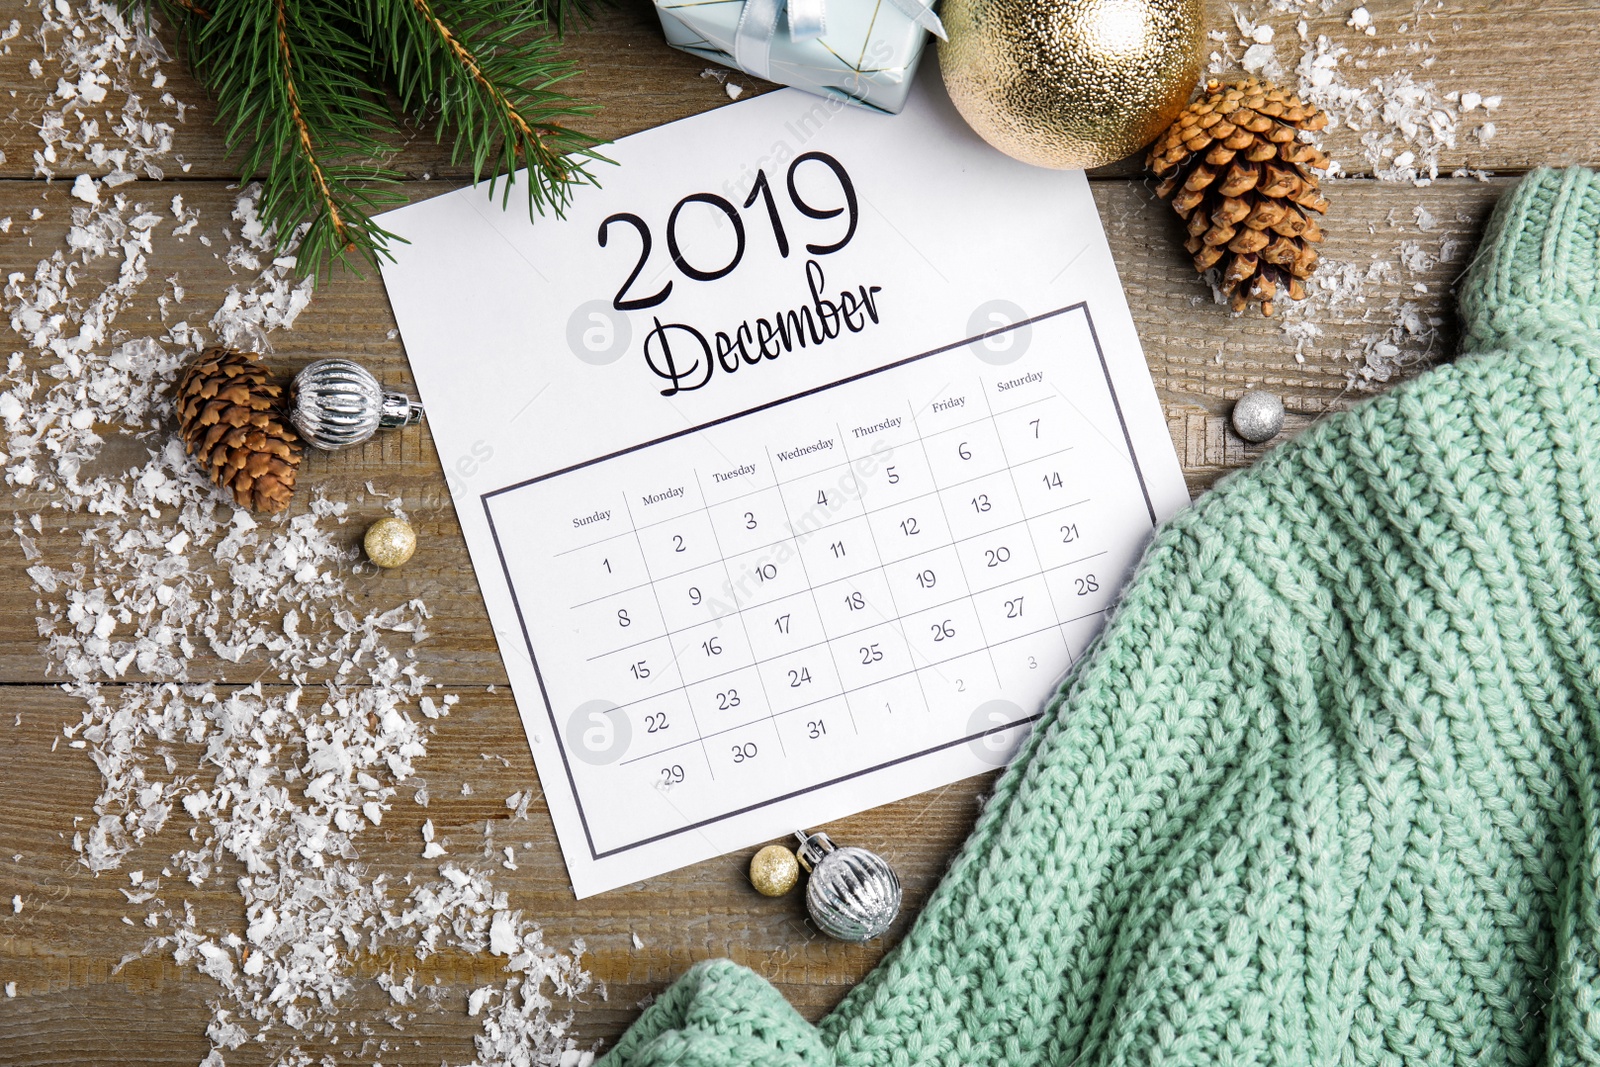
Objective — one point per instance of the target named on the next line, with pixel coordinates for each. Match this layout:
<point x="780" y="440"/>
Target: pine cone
<point x="1237" y="171"/>
<point x="229" y="418"/>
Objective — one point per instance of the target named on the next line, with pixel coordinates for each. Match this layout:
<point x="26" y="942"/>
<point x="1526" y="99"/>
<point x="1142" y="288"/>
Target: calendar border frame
<point x="566" y="765"/>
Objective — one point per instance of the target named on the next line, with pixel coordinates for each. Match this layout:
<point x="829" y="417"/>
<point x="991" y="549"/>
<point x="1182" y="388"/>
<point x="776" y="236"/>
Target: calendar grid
<point x="882" y="620"/>
<point x="670" y="632"/>
<point x="657" y="597"/>
<point x="778" y="483"/>
<point x="811" y="588"/>
<point x="927" y="665"/>
<point x="1017" y="489"/>
<point x="745" y="626"/>
<point x="938" y="494"/>
<point x="984" y="635"/>
<point x="822" y="526"/>
<point x="898" y="620"/>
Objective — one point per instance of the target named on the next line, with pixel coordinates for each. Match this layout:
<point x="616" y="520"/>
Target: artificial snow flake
<point x="502" y="935"/>
<point x="85" y="189"/>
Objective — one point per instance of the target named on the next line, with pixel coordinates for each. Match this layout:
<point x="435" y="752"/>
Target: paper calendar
<point x="797" y="464"/>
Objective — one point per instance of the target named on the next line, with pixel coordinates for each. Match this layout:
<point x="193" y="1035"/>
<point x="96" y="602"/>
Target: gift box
<point x="862" y="51"/>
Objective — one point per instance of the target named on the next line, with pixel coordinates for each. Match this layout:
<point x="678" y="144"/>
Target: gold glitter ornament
<point x="774" y="871"/>
<point x="1070" y="83"/>
<point x="390" y="542"/>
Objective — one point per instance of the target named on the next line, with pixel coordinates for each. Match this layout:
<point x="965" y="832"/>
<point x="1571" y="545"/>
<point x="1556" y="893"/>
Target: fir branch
<point x="302" y="98"/>
<point x="490" y="68"/>
<point x="470" y="63"/>
<point x="303" y="131"/>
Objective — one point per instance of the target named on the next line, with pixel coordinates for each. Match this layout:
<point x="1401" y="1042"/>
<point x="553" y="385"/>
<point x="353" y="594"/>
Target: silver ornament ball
<point x="852" y="894"/>
<point x="1258" y="416"/>
<point x="336" y="403"/>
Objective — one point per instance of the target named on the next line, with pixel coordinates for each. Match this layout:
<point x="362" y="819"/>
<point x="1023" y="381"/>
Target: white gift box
<point x="863" y="51"/>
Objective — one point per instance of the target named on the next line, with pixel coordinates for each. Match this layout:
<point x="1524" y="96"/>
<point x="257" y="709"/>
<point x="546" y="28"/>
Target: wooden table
<point x="62" y="948"/>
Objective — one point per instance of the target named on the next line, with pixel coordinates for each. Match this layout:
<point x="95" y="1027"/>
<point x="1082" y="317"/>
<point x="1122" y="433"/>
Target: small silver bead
<point x="1258" y="416"/>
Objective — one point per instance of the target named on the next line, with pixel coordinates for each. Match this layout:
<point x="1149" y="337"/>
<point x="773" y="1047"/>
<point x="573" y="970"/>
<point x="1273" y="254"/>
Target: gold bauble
<point x="774" y="871"/>
<point x="1070" y="83"/>
<point x="390" y="542"/>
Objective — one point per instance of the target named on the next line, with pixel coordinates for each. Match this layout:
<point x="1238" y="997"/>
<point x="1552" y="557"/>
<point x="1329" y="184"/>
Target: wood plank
<point x="1539" y="70"/>
<point x="1183" y="330"/>
<point x="74" y="1007"/>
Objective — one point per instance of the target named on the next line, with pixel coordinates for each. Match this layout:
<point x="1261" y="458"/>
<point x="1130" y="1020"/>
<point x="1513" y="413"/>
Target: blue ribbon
<point x="808" y="20"/>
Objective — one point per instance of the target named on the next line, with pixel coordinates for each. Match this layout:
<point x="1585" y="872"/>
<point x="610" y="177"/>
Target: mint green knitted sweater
<point x="1327" y="791"/>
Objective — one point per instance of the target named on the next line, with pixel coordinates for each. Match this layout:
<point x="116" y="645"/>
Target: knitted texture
<point x="1326" y="792"/>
